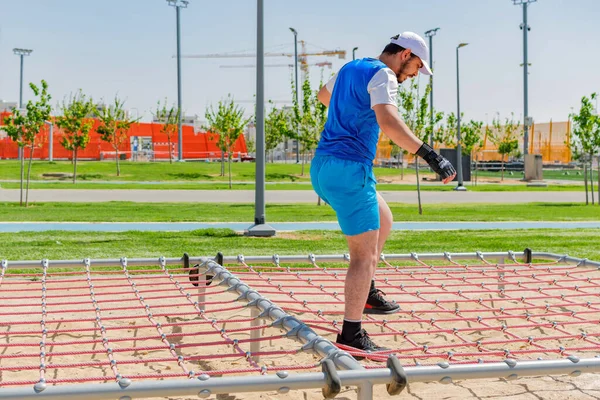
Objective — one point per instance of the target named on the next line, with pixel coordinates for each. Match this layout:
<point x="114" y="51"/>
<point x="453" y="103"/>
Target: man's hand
<point x="438" y="164"/>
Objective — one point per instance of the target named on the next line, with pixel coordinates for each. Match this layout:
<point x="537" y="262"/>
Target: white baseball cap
<point x="416" y="44"/>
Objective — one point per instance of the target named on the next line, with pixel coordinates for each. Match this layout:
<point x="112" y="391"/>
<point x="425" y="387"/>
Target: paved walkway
<point x="278" y="196"/>
<point x="279" y="226"/>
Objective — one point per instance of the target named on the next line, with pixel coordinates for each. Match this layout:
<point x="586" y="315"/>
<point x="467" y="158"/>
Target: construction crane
<point x="319" y="64"/>
<point x="301" y="56"/>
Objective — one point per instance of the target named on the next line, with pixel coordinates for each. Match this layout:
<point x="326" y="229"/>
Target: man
<point x="362" y="100"/>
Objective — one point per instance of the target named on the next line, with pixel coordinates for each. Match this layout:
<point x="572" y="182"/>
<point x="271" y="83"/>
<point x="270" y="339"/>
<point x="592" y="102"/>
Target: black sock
<point x="350" y="329"/>
<point x="372" y="286"/>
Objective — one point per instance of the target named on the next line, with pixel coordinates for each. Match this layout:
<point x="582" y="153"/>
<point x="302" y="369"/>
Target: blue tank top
<point x="351" y="131"/>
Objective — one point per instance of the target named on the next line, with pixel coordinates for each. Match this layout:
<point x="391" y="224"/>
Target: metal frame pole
<point x="21" y="149"/>
<point x="179" y="127"/>
<point x="297" y="88"/>
<point x="459" y="169"/>
<point x="431" y="88"/>
<point x="260" y="228"/>
<point x="525" y="84"/>
<point x="430" y="34"/>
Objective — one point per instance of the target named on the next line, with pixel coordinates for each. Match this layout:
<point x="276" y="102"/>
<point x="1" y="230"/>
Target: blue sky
<point x="125" y="47"/>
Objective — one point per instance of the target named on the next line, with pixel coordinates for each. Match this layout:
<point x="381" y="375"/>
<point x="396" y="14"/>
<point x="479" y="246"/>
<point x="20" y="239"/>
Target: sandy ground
<point x="74" y="346"/>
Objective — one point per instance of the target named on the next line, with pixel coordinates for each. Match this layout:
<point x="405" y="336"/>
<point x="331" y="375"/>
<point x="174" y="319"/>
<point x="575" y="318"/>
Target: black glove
<point x="438" y="164"/>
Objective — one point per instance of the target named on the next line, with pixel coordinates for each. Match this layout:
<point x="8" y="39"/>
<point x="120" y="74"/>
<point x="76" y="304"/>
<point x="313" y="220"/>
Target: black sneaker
<point x="361" y="341"/>
<point x="377" y="304"/>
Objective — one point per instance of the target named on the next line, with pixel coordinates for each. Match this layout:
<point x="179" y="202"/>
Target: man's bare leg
<point x="386" y="219"/>
<point x="377" y="303"/>
<point x="363" y="259"/>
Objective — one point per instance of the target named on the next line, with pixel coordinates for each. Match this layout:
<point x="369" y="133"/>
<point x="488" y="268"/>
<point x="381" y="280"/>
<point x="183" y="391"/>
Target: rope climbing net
<point x="200" y="326"/>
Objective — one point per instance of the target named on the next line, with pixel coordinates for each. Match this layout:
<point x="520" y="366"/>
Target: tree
<point x="309" y="119"/>
<point x="414" y="111"/>
<point x="586" y="135"/>
<point x="25" y="128"/>
<point x="278" y="127"/>
<point x="505" y="138"/>
<point x="114" y="126"/>
<point x="169" y="120"/>
<point x="228" y="122"/>
<point x="76" y="123"/>
<point x="470" y="135"/>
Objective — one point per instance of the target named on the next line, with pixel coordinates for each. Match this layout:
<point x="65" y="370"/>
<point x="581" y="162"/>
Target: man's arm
<point x="324" y="95"/>
<point x="390" y="123"/>
<point x="397" y="130"/>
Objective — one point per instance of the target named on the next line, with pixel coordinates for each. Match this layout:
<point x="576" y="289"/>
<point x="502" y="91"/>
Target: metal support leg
<point x="202" y="291"/>
<point x="365" y="391"/>
<point x="500" y="274"/>
<point x="255" y="334"/>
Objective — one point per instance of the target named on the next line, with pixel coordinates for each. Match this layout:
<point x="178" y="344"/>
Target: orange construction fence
<point x="142" y="138"/>
<point x="550" y="139"/>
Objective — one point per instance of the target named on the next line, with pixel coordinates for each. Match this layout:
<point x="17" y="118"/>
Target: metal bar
<point x="255" y="333"/>
<point x="566" y="258"/>
<point x="525" y="83"/>
<point x="21" y="150"/>
<point x="431" y="89"/>
<point x="259" y="213"/>
<point x="205" y="386"/>
<point x="179" y="127"/>
<point x="258" y="259"/>
<point x="337" y="258"/>
<point x="268" y="309"/>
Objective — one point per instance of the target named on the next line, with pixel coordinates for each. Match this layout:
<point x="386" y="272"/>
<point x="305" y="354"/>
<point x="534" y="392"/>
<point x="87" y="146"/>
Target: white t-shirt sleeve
<point x="330" y="83"/>
<point x="383" y="88"/>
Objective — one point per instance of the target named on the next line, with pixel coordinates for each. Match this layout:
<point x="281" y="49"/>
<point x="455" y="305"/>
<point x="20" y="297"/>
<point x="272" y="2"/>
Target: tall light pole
<point x="297" y="88"/>
<point x="21" y="53"/>
<point x="459" y="169"/>
<point x="354" y="53"/>
<point x="526" y="119"/>
<point x="430" y="34"/>
<point x="260" y="227"/>
<point x="179" y="4"/>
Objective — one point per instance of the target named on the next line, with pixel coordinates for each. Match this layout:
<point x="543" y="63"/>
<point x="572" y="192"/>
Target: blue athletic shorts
<point x="349" y="188"/>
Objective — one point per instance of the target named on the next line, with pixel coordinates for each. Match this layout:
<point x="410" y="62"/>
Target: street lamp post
<point x="430" y="34"/>
<point x="297" y="88"/>
<point x="526" y="119"/>
<point x="260" y="227"/>
<point x="460" y="186"/>
<point x="179" y="4"/>
<point x="354" y="53"/>
<point x="21" y="53"/>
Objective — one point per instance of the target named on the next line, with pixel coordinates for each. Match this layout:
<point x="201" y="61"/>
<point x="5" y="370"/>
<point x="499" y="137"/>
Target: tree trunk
<point x="476" y="169"/>
<point x="117" y="157"/>
<point x="28" y="176"/>
<point x="169" y="150"/>
<point x="502" y="169"/>
<point x="585" y="180"/>
<point x="75" y="166"/>
<point x="418" y="185"/>
<point x="22" y="173"/>
<point x="401" y="166"/>
<point x="229" y="157"/>
<point x="303" y="160"/>
<point x="592" y="179"/>
<point x="222" y="163"/>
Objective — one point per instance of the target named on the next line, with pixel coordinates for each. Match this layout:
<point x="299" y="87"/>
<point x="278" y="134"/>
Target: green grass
<point x="154" y="172"/>
<point x="286" y="186"/>
<point x="207" y="212"/>
<point x="574" y="175"/>
<point x="78" y="245"/>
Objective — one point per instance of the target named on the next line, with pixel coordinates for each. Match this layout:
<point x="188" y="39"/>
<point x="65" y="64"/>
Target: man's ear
<point x="405" y="55"/>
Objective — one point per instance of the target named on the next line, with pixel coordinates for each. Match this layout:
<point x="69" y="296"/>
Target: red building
<point x="145" y="142"/>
